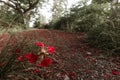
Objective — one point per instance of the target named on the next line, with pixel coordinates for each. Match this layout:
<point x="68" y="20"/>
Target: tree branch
<point x="31" y="6"/>
<point x="18" y="7"/>
<point x="8" y="4"/>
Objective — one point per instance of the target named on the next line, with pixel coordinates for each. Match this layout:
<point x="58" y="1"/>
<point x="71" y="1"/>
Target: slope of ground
<point x="75" y="59"/>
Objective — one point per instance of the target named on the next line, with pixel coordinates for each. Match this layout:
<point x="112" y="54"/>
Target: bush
<point x="105" y="37"/>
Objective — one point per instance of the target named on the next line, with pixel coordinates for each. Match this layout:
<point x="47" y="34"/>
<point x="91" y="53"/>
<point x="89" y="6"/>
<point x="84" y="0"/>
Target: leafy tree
<point x="21" y="10"/>
<point x="58" y="8"/>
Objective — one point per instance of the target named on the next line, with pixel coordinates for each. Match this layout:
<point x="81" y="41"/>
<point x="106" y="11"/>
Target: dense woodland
<point x="98" y="20"/>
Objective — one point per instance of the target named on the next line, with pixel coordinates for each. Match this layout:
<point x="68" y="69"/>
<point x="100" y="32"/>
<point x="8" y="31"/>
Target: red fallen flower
<point x="88" y="71"/>
<point x="51" y="70"/>
<point x="17" y="51"/>
<point x="88" y="56"/>
<point x="63" y="74"/>
<point x="78" y="67"/>
<point x="106" y="75"/>
<point x="115" y="72"/>
<point x="37" y="71"/>
<point x="94" y="60"/>
<point x="39" y="65"/>
<point x="40" y="44"/>
<point x="45" y="63"/>
<point x="32" y="58"/>
<point x="2" y="64"/>
<point x="21" y="58"/>
<point x="72" y="74"/>
<point x="51" y="49"/>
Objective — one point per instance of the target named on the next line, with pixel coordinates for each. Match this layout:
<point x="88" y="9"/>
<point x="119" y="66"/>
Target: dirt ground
<point x="75" y="58"/>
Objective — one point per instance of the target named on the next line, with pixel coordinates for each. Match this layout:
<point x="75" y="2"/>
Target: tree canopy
<point x="20" y="10"/>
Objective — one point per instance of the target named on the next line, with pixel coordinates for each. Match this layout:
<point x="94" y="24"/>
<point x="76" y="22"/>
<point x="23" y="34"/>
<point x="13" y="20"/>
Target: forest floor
<point x="75" y="58"/>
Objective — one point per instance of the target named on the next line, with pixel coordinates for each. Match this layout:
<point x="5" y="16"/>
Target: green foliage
<point x="105" y="37"/>
<point x="82" y="18"/>
<point x="101" y="1"/>
<point x="18" y="12"/>
<point x="100" y="20"/>
<point x="58" y="24"/>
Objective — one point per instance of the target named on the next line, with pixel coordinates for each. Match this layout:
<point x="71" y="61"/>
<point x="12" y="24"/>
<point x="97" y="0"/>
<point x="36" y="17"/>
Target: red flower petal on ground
<point x="28" y="55"/>
<point x="106" y="75"/>
<point x="37" y="71"/>
<point x="72" y="74"/>
<point x="88" y="56"/>
<point x="51" y="49"/>
<point x="63" y="74"/>
<point x="45" y="63"/>
<point x="94" y="60"/>
<point x="2" y="64"/>
<point x="78" y="67"/>
<point x="51" y="70"/>
<point x="39" y="65"/>
<point x="115" y="72"/>
<point x="40" y="44"/>
<point x="32" y="58"/>
<point x="21" y="58"/>
<point x="17" y="51"/>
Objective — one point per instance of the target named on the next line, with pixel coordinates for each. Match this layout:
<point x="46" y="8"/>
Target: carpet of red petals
<point x="74" y="59"/>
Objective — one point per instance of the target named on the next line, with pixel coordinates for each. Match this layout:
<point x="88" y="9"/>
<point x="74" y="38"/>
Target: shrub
<point x="105" y="37"/>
